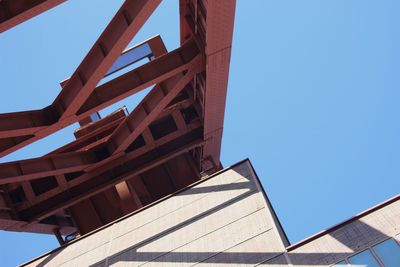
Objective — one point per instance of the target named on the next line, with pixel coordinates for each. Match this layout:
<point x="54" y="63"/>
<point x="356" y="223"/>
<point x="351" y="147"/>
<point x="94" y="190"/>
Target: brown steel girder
<point x="14" y="12"/>
<point x="14" y="127"/>
<point x="111" y="174"/>
<point x="171" y="87"/>
<point x="108" y="156"/>
<point x="134" y="155"/>
<point x="118" y="142"/>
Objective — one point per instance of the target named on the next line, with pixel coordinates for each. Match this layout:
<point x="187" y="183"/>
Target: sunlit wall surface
<point x="227" y="220"/>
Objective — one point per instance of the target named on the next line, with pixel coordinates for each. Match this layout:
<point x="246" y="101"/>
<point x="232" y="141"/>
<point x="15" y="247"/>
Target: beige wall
<point x="334" y="246"/>
<point x="223" y="220"/>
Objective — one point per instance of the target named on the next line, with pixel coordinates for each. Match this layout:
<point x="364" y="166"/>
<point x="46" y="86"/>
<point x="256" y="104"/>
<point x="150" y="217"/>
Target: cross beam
<point x="14" y="12"/>
<point x="117" y="163"/>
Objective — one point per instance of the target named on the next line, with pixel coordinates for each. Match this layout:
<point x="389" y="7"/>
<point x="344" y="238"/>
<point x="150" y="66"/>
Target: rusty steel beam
<point x="220" y="20"/>
<point x="51" y="165"/>
<point x="157" y="48"/>
<point x="9" y="221"/>
<point x="149" y="144"/>
<point x="135" y="154"/>
<point x="63" y="161"/>
<point x="104" y="179"/>
<point x="110" y="155"/>
<point x="21" y="123"/>
<point x="114" y="39"/>
<point x="78" y="161"/>
<point x="151" y="48"/>
<point x="19" y="129"/>
<point x="129" y="199"/>
<point x="140" y="78"/>
<point x="29" y="122"/>
<point x="210" y="23"/>
<point x="97" y="126"/>
<point x="82" y="143"/>
<point x="86" y="216"/>
<point x="107" y="94"/>
<point x="11" y="224"/>
<point x="14" y="12"/>
<point x="150" y="108"/>
<point x="91" y="140"/>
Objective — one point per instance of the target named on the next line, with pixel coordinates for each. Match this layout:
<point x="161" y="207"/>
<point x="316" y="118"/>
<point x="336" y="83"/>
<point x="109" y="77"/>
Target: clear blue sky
<point x="313" y="99"/>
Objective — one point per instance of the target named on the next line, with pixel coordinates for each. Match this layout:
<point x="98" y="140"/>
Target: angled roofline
<point x="343" y="223"/>
<point x="141" y="209"/>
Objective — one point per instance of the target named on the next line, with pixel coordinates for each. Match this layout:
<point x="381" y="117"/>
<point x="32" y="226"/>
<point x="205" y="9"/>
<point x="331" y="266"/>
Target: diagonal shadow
<point x="212" y="257"/>
<point x="48" y="259"/>
<point x="215" y="188"/>
<point x="349" y="235"/>
<point x="189" y="221"/>
<point x="354" y="232"/>
<point x="207" y="189"/>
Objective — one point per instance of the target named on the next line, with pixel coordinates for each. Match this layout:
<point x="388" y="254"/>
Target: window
<point x="363" y="259"/>
<point x="386" y="252"/>
<point x="389" y="253"/>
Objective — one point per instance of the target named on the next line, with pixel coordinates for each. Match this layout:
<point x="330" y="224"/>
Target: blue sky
<point x="312" y="101"/>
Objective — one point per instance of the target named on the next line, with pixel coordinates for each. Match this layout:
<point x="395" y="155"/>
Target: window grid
<point x="396" y="241"/>
<point x="370" y="248"/>
<point x="376" y="255"/>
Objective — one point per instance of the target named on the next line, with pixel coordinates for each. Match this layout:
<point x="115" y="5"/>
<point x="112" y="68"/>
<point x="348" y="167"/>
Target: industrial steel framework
<point x="122" y="162"/>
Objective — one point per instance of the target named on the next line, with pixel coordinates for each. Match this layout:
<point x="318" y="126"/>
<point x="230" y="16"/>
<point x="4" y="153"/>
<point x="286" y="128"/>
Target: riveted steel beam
<point x="14" y="12"/>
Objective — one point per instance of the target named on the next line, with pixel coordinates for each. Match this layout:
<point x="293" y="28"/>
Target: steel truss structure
<point x="122" y="162"/>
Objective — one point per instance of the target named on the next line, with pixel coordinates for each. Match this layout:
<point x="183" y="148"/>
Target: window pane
<point x="340" y="264"/>
<point x="389" y="252"/>
<point x="363" y="259"/>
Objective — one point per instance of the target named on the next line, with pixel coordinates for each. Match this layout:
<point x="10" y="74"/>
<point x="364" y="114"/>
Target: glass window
<point x="363" y="259"/>
<point x="340" y="264"/>
<point x="389" y="252"/>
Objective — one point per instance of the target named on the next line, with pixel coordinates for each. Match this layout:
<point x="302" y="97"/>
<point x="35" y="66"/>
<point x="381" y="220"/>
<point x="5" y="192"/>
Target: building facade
<point x="146" y="187"/>
<point x="226" y="219"/>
